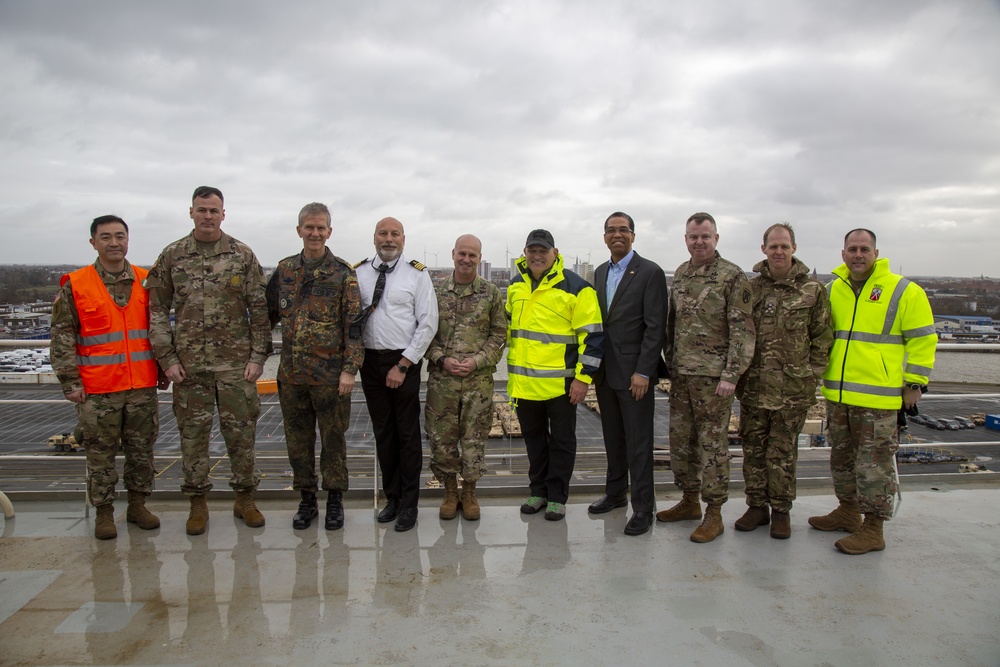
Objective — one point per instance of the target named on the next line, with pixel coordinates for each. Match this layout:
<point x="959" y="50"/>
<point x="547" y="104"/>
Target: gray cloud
<point x="499" y="117"/>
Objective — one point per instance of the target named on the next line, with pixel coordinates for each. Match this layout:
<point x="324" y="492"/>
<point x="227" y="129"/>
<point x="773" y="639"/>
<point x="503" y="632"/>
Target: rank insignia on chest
<point x="236" y="281"/>
<point x="876" y="293"/>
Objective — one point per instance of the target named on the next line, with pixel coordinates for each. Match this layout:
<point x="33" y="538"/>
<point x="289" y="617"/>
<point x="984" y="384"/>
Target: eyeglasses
<point x="611" y="231"/>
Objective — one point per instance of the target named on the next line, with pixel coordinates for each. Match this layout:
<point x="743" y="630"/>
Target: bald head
<point x="389" y="239"/>
<point x="469" y="240"/>
<point x="467" y="255"/>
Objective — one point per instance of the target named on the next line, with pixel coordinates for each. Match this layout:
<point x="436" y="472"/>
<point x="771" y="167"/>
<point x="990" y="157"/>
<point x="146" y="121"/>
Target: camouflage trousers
<point x="129" y="418"/>
<point x="699" y="448"/>
<point x="301" y="407"/>
<point x="770" y="452"/>
<point x="239" y="406"/>
<point x="458" y="410"/>
<point x="863" y="456"/>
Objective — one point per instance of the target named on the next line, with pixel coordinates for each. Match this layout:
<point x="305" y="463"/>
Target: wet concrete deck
<point x="507" y="590"/>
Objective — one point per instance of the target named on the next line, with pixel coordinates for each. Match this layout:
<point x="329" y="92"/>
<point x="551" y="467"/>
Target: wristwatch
<point x="402" y="369"/>
<point x="916" y="387"/>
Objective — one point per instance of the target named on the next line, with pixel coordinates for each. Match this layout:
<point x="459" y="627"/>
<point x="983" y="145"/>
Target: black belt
<point x="383" y="353"/>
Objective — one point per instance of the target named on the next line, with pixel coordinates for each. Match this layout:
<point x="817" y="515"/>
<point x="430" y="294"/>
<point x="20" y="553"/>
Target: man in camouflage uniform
<point x="791" y="313"/>
<point x="314" y="295"/>
<point x="111" y="381"/>
<point x="472" y="330"/>
<point x="881" y="361"/>
<point x="709" y="344"/>
<point x="214" y="353"/>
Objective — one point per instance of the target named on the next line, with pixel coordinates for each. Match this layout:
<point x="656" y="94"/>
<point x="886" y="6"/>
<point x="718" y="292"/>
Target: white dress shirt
<point x="406" y="317"/>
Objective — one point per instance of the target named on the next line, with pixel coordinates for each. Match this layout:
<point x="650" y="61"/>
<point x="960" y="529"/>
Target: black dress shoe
<point x="407" y="519"/>
<point x="389" y="512"/>
<point x="334" y="511"/>
<point x="639" y="523"/>
<point x="607" y="503"/>
<point x="307" y="511"/>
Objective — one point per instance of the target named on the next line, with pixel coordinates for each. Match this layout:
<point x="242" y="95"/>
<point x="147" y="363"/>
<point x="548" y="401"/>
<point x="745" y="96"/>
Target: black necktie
<point x="359" y="324"/>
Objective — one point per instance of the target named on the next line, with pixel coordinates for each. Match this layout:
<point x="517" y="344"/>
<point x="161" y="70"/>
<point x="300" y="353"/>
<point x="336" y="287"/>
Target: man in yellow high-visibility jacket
<point x="554" y="346"/>
<point x="881" y="359"/>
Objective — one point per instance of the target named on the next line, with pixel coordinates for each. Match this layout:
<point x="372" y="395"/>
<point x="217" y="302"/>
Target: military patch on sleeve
<point x="417" y="265"/>
<point x="746" y="295"/>
<point x="145" y="281"/>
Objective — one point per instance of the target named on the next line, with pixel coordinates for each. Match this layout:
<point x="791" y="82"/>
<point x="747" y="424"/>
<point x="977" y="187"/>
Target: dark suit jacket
<point x="634" y="325"/>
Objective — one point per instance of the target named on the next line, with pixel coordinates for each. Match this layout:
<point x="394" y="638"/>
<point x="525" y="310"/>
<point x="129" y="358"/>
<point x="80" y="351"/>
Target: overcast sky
<point x="495" y="118"/>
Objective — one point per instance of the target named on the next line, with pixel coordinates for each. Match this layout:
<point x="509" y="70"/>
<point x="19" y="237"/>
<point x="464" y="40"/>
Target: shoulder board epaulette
<point x="364" y="261"/>
<point x="417" y="265"/>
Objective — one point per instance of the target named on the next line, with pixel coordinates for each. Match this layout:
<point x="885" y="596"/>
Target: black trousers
<point x="395" y="415"/>
<point x="628" y="441"/>
<point x="549" y="429"/>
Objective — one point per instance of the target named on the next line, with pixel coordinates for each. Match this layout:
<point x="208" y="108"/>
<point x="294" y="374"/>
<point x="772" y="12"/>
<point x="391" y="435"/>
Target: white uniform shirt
<point x="406" y="317"/>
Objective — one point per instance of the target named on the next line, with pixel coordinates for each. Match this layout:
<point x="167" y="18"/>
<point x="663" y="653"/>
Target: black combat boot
<point x="307" y="511"/>
<point x="334" y="510"/>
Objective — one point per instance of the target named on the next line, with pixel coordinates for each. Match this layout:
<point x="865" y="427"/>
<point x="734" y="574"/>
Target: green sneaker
<point x="555" y="512"/>
<point x="532" y="505"/>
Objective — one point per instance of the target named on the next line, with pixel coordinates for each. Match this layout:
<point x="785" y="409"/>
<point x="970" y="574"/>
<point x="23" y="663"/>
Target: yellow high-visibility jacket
<point x="887" y="325"/>
<point x="555" y="333"/>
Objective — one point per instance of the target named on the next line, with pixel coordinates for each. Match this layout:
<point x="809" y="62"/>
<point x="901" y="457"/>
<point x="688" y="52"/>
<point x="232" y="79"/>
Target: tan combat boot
<point x="781" y="525"/>
<point x="198" y="517"/>
<point x="753" y="517"/>
<point x="688" y="509"/>
<point x="711" y="527"/>
<point x="104" y="524"/>
<point x="470" y="504"/>
<point x="846" y="517"/>
<point x="246" y="509"/>
<point x="867" y="538"/>
<point x="449" y="504"/>
<point x="137" y="512"/>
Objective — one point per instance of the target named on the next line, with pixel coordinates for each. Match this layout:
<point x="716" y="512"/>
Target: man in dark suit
<point x="632" y="293"/>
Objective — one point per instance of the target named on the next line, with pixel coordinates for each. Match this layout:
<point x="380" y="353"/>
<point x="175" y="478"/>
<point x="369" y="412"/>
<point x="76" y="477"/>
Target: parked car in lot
<point x="951" y="424"/>
<point x="934" y="423"/>
<point x="918" y="419"/>
<point x="964" y="421"/>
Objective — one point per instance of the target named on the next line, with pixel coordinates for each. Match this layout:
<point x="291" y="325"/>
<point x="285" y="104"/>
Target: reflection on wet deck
<point x="505" y="590"/>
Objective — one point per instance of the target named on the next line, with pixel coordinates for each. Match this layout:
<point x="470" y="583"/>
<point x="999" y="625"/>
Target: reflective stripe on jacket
<point x="112" y="345"/>
<point x="555" y="333"/>
<point x="888" y="324"/>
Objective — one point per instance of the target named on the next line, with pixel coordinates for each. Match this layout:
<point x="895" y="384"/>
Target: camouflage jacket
<point x="792" y="317"/>
<point x="472" y="322"/>
<point x="315" y="307"/>
<point x="709" y="325"/>
<point x="220" y="314"/>
<point x="66" y="324"/>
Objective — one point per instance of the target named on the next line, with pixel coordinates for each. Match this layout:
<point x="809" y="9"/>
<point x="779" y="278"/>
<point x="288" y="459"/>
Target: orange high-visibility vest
<point x="112" y="345"/>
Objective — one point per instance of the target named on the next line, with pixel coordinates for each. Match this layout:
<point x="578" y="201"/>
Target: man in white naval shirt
<point x="399" y="318"/>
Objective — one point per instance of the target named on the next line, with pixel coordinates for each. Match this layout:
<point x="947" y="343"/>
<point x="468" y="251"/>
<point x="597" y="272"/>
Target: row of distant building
<point x="31" y="321"/>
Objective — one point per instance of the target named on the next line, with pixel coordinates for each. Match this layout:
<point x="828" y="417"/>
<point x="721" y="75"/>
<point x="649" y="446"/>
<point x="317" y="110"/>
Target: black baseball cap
<point x="540" y="237"/>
